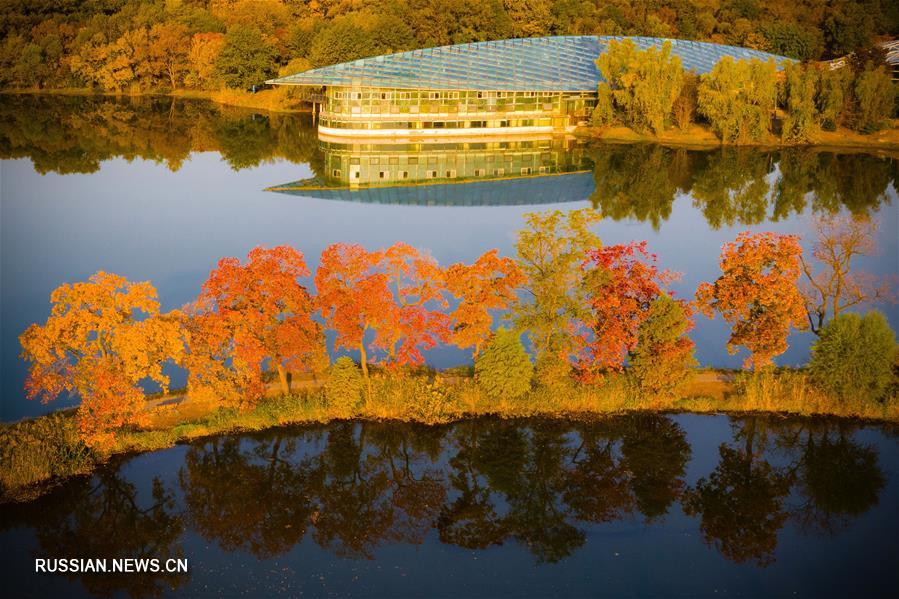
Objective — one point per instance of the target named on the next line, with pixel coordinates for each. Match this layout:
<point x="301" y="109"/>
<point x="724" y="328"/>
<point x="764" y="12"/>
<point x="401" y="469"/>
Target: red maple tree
<point x="253" y="313"/>
<point x="487" y="284"/>
<point x="757" y="293"/>
<point x="622" y="280"/>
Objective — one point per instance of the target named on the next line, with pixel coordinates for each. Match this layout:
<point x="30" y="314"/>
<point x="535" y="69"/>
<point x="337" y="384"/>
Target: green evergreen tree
<point x="504" y="370"/>
<point x="853" y="358"/>
<point x="343" y="390"/>
<point x="663" y="362"/>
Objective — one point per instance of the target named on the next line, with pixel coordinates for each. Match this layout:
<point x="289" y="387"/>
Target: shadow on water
<point x="356" y="489"/>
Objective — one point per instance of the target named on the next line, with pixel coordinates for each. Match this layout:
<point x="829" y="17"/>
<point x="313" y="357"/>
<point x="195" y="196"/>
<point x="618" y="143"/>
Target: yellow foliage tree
<point x="93" y="345"/>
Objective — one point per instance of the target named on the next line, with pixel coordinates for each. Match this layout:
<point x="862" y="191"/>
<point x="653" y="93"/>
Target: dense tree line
<point x="138" y="45"/>
<point x="742" y="101"/>
<point x="587" y="311"/>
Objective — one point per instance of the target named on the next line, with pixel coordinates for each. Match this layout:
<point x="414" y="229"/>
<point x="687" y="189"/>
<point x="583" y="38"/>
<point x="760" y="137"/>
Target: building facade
<point x="517" y="86"/>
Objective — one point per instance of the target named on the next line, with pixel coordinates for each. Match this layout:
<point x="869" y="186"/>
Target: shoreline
<point x="176" y="419"/>
<point x="276" y="101"/>
<point x="699" y="137"/>
<point x="269" y="100"/>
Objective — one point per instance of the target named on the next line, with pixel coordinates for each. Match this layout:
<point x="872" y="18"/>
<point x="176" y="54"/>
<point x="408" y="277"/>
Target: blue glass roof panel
<point x="561" y="63"/>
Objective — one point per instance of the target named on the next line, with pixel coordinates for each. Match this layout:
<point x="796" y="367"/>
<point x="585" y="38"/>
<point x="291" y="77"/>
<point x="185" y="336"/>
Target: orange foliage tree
<point x="757" y="294"/>
<point x="94" y="345"/>
<point x="622" y="281"/>
<point x="389" y="292"/>
<point x="487" y="284"/>
<point x="250" y="314"/>
<point x="417" y="322"/>
<point x="353" y="296"/>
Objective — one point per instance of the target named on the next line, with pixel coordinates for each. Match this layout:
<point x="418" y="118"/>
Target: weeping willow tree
<point x="639" y="87"/>
<point x="801" y="89"/>
<point x="738" y="99"/>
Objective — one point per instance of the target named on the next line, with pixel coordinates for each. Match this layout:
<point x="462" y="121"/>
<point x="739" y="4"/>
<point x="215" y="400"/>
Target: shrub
<point x="343" y="391"/>
<point x="662" y="363"/>
<point x="36" y="450"/>
<point x="504" y="370"/>
<point x="853" y="359"/>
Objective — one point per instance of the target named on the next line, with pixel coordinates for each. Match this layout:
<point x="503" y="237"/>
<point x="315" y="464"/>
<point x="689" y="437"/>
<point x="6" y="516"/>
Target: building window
<point x="356" y="175"/>
<point x="480" y="172"/>
<point x="499" y="171"/>
<point x="525" y="170"/>
<point x="374" y="160"/>
<point x="450" y="174"/>
<point x="383" y="175"/>
<point x="434" y="96"/>
<point x="386" y="95"/>
<point x="404" y="174"/>
<point x="431" y="174"/>
<point x="335" y="173"/>
<point x="413" y="160"/>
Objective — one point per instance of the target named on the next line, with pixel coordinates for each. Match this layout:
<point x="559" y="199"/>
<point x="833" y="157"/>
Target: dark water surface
<point x="159" y="190"/>
<point x="641" y="505"/>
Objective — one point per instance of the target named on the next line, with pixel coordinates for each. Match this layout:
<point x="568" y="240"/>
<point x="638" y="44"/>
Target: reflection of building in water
<point x="519" y="171"/>
<point x="534" y="85"/>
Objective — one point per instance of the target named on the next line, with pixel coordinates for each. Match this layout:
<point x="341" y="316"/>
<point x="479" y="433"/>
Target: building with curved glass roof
<point x="532" y="85"/>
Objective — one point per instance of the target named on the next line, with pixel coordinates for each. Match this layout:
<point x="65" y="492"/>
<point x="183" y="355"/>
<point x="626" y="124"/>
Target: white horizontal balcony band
<point x="420" y="133"/>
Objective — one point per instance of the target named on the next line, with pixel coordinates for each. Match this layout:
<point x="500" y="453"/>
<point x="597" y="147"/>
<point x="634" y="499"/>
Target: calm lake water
<point x="159" y="190"/>
<point x="645" y="505"/>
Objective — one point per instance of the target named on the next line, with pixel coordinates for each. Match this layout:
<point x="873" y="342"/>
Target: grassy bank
<point x="698" y="136"/>
<point x="38" y="453"/>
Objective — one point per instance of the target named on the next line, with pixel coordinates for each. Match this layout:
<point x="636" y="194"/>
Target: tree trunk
<point x="282" y="376"/>
<point x="364" y="363"/>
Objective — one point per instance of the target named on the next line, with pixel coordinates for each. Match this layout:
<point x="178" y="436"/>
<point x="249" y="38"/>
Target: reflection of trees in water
<point x="736" y="186"/>
<point x="656" y="452"/>
<point x="731" y="185"/>
<point x="639" y="181"/>
<point x="741" y="502"/>
<point x="72" y="134"/>
<point x="356" y="486"/>
<point x="252" y="500"/>
<point x="746" y="500"/>
<point x="838" y="478"/>
<point x="105" y="518"/>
